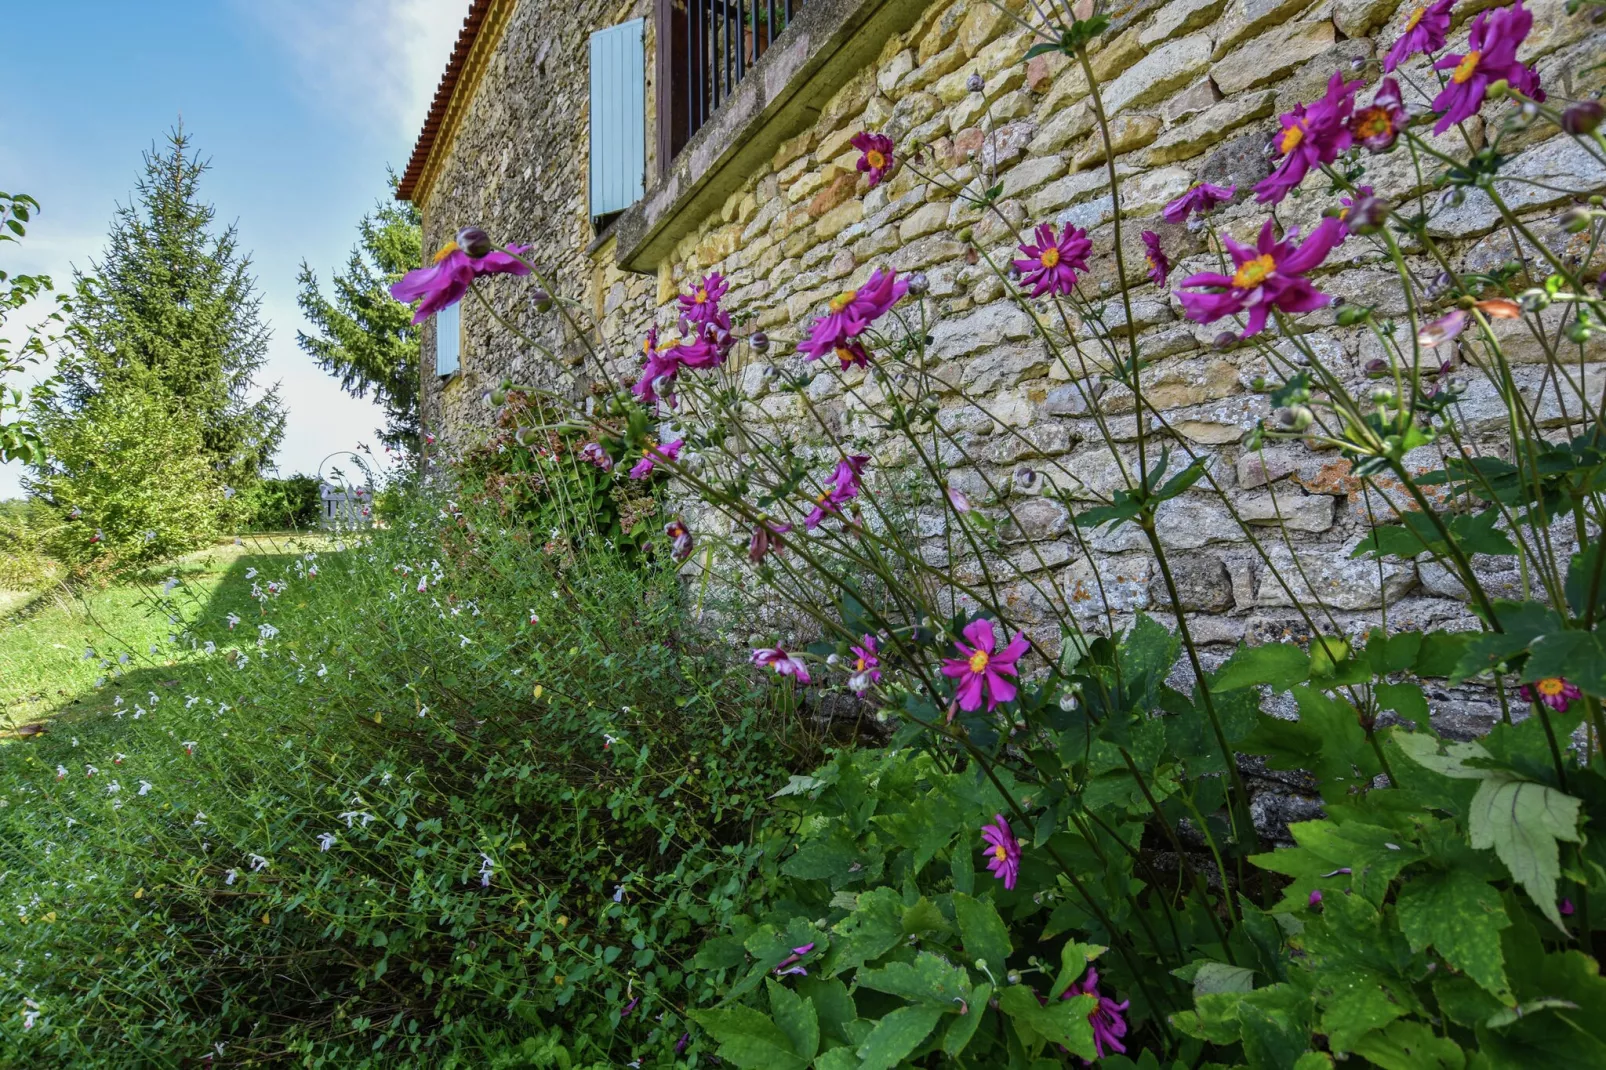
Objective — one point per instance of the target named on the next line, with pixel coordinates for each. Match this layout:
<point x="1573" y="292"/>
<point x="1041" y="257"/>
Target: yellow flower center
<point x="821" y="499"/>
<point x="1291" y="138"/>
<point x="845" y="355"/>
<point x="1466" y="68"/>
<point x="843" y="300"/>
<point x="1374" y="122"/>
<point x="1551" y="685"/>
<point x="1050" y="257"/>
<point x="1416" y="17"/>
<point x="875" y="159"/>
<point x="858" y="664"/>
<point x="978" y="661"/>
<point x="1001" y="853"/>
<point x="1254" y="272"/>
<point x="446" y="250"/>
<point x="702" y="296"/>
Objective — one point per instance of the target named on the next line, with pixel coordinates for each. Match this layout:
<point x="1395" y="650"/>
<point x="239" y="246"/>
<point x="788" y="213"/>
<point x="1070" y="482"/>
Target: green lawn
<point x="44" y="635"/>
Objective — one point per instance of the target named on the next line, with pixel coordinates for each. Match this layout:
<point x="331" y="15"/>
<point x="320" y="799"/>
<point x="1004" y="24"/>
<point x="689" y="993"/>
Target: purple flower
<point x="852" y="355"/>
<point x="1442" y="329"/>
<point x="1159" y="263"/>
<point x="875" y="157"/>
<point x="1003" y="851"/>
<point x="630" y="1008"/>
<point x="681" y="547"/>
<point x="1269" y="275"/>
<point x="981" y="668"/>
<point x="766" y="539"/>
<point x="1425" y="31"/>
<point x="1310" y="136"/>
<point x="850" y="313"/>
<point x="1557" y="692"/>
<point x="1201" y="198"/>
<point x="651" y="455"/>
<point x="1051" y="265"/>
<point x="1315" y="897"/>
<point x="1491" y="56"/>
<point x="1567" y="907"/>
<point x="1378" y="124"/>
<point x="593" y="452"/>
<point x="958" y="499"/>
<point x="844" y="488"/>
<point x="700" y="305"/>
<point x="866" y="666"/>
<point x="785" y="967"/>
<point x="1108" y="1025"/>
<point x="680" y="1045"/>
<point x="448" y="278"/>
<point x="783" y="663"/>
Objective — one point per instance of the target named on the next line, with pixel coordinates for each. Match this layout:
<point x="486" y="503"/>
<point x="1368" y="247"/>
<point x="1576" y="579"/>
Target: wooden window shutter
<point x="448" y="340"/>
<point x="618" y="117"/>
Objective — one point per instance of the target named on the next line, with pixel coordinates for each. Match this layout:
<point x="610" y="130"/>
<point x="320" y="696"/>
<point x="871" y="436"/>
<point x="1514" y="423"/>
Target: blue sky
<point x="300" y="104"/>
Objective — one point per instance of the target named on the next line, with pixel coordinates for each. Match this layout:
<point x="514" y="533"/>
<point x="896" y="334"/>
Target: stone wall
<point x="1193" y="88"/>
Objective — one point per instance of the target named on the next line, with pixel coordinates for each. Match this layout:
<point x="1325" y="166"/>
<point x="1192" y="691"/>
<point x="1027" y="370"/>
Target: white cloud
<point x="366" y="59"/>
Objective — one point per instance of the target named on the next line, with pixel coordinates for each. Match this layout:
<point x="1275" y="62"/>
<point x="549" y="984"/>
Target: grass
<point x="44" y="634"/>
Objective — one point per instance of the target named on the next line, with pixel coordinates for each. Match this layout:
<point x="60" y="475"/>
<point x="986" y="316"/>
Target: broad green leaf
<point x="1355" y="1002"/>
<point x="1063" y="1021"/>
<point x="896" y="1035"/>
<point x="1392" y="653"/>
<point x="1460" y="916"/>
<point x="1074" y="958"/>
<point x="832" y="1005"/>
<point x="1441" y="652"/>
<point x="929" y="979"/>
<point x="982" y="931"/>
<point x="1586" y="582"/>
<point x="1410" y="1046"/>
<point x="1579" y="656"/>
<point x="1423" y="749"/>
<point x="1273" y="1039"/>
<point x="1313" y="1060"/>
<point x="1281" y="665"/>
<point x="1406" y="700"/>
<point x="837" y="1059"/>
<point x="874" y="928"/>
<point x="1522" y="821"/>
<point x="1214" y="977"/>
<point x="924" y="917"/>
<point x="749" y="1039"/>
<point x="796" y="1018"/>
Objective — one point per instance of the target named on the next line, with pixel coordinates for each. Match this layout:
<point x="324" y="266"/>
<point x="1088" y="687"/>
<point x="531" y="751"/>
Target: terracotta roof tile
<point x="443" y="98"/>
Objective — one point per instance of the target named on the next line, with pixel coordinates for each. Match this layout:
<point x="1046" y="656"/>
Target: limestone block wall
<point x="1193" y="88"/>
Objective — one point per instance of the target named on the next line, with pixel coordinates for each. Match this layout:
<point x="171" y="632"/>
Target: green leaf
<point x="1410" y="1046"/>
<point x="1213" y="977"/>
<point x="1063" y="1021"/>
<point x="896" y="1035"/>
<point x="833" y="1006"/>
<point x="929" y="979"/>
<point x="1583" y="588"/>
<point x="1281" y="665"/>
<point x="1392" y="653"/>
<point x="874" y="928"/>
<point x="1406" y="700"/>
<point x="982" y="931"/>
<point x="1522" y="821"/>
<point x="1460" y="916"/>
<point x="1423" y="749"/>
<point x="924" y="917"/>
<point x="749" y="1039"/>
<point x="796" y="1018"/>
<point x="963" y="1027"/>
<point x="1579" y="656"/>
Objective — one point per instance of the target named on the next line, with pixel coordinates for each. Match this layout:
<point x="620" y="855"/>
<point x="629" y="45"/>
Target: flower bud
<point x="758" y="341"/>
<point x="1574" y="220"/>
<point x="542" y="301"/>
<point x="1497" y="89"/>
<point x="1293" y="418"/>
<point x="1535" y="300"/>
<point x="1225" y="340"/>
<point x="1452" y="198"/>
<point x="1383" y="396"/>
<point x="498" y="396"/>
<point x="474" y="242"/>
<point x="1583" y="117"/>
<point x="974" y="83"/>
<point x="1529" y="110"/>
<point x="1579" y="331"/>
<point x="918" y="283"/>
<point x="1013" y="977"/>
<point x="1376" y="368"/>
<point x="525" y="435"/>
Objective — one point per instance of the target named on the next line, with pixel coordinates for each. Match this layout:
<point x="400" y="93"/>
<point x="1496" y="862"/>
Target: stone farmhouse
<point x="638" y="144"/>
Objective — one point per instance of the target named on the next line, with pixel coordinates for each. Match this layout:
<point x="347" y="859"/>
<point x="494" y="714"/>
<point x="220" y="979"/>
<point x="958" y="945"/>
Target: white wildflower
<point x="258" y="863"/>
<point x="326" y="840"/>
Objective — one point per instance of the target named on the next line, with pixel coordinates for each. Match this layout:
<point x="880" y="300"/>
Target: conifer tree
<point x="365" y="336"/>
<point x="171" y="312"/>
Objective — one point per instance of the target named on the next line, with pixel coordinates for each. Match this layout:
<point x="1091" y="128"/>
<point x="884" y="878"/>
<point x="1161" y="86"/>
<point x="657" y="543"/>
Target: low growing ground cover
<point x="452" y="796"/>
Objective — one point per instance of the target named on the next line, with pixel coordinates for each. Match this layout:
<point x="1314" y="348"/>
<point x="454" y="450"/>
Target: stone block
<point x="1127" y="132"/>
<point x="985" y="327"/>
<point x="1190" y="102"/>
<point x="901" y="64"/>
<point x="927" y="219"/>
<point x="1243" y="19"/>
<point x="1292" y="510"/>
<point x="1271" y="55"/>
<point x="1331" y="578"/>
<point x="1003" y="367"/>
<point x="1203" y="585"/>
<point x="1554" y="170"/>
<point x="1210" y="126"/>
<point x="1178" y="17"/>
<point x="1067" y="125"/>
<point x="1035" y="519"/>
<point x="1166" y="69"/>
<point x="1107" y="585"/>
<point x="1117" y="55"/>
<point x="1356" y="18"/>
<point x="1031" y="173"/>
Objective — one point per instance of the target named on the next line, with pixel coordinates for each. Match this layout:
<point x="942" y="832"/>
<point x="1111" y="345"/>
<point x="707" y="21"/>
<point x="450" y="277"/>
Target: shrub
<point x="287" y="503"/>
<point x="448" y="797"/>
<point x="24" y="565"/>
<point x="127" y="484"/>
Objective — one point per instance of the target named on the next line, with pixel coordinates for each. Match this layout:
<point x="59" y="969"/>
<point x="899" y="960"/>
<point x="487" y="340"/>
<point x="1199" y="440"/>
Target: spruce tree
<point x="171" y="312"/>
<point x="365" y="336"/>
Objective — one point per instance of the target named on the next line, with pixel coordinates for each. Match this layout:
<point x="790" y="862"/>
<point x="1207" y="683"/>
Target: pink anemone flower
<point x="1376" y="126"/>
<point x="875" y="158"/>
<point x="981" y="667"/>
<point x="1159" y="263"/>
<point x="651" y="455"/>
<point x="866" y="666"/>
<point x="1003" y="851"/>
<point x="1310" y="136"/>
<point x="448" y="278"/>
<point x="1200" y="199"/>
<point x="1557" y="692"/>
<point x="766" y="539"/>
<point x="844" y="488"/>
<point x="783" y="663"/>
<point x="1270" y="274"/>
<point x="1051" y="265"/>
<point x="1491" y="56"/>
<point x="701" y="304"/>
<point x="850" y="313"/>
<point x="1108" y="1025"/>
<point x="1425" y="31"/>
